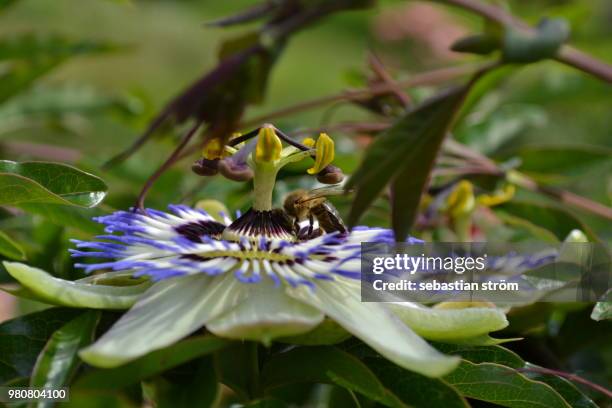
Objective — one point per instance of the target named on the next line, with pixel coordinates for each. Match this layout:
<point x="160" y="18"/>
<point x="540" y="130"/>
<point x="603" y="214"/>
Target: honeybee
<point x="302" y="205"/>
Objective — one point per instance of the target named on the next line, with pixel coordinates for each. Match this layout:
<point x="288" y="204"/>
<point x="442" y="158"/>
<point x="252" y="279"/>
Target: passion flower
<point x="255" y="277"/>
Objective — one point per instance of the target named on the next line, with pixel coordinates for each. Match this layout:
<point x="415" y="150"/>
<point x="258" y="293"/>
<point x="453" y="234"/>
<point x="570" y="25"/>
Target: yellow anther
<point x="324" y="153"/>
<point x="309" y="142"/>
<point x="213" y="149"/>
<point x="498" y="197"/>
<point x="269" y="145"/>
<point x="461" y="200"/>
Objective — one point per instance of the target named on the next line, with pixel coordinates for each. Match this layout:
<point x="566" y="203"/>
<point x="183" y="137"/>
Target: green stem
<point x="263" y="186"/>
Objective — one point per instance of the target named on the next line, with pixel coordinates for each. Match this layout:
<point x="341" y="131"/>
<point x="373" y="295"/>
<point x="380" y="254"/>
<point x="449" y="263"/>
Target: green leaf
<point x="23" y="338"/>
<point x="267" y="403"/>
<point x="10" y="249"/>
<point x="483" y="354"/>
<point x="42" y="286"/>
<point x="80" y="399"/>
<point x="58" y="360"/>
<point x="329" y="365"/>
<point x="554" y="219"/>
<point x="48" y="183"/>
<point x="568" y="391"/>
<point x="503" y="386"/>
<point x="481" y="340"/>
<point x="404" y="155"/>
<point x="505" y="357"/>
<point x="412" y="388"/>
<point x="520" y="46"/>
<point x="150" y="365"/>
<point x="232" y="364"/>
<point x="191" y="385"/>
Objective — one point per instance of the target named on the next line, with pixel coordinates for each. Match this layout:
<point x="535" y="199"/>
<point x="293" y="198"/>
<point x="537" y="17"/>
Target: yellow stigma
<point x="213" y="149"/>
<point x="324" y="153"/>
<point x="269" y="145"/>
<point x="498" y="197"/>
<point x="461" y="200"/>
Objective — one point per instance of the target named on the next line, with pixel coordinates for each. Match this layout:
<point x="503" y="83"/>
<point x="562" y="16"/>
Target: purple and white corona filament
<point x="189" y="241"/>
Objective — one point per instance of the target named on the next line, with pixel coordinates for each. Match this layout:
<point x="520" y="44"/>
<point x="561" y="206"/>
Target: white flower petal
<point x="49" y="289"/>
<point x="447" y="324"/>
<point x="169" y="311"/>
<point x="376" y="326"/>
<point x="265" y="314"/>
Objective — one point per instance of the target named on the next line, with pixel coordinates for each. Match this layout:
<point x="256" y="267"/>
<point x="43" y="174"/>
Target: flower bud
<point x="330" y="175"/>
<point x="205" y="167"/>
<point x="214" y="208"/>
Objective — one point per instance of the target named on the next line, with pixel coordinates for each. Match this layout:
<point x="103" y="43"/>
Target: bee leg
<point x="310" y="224"/>
<point x="296" y="227"/>
<point x="316" y="233"/>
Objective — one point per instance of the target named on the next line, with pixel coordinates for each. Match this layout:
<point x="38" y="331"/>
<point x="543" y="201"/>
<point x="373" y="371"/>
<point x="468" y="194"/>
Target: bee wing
<point x="332" y="220"/>
<point x="323" y="192"/>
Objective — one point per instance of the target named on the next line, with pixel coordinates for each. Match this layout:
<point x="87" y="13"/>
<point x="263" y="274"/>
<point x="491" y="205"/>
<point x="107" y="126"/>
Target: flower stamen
<point x="324" y="153"/>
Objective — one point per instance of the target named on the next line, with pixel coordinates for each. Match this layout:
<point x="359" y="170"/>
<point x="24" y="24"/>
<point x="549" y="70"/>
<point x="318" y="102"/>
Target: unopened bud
<point x="214" y="208"/>
<point x="330" y="175"/>
<point x="205" y="167"/>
